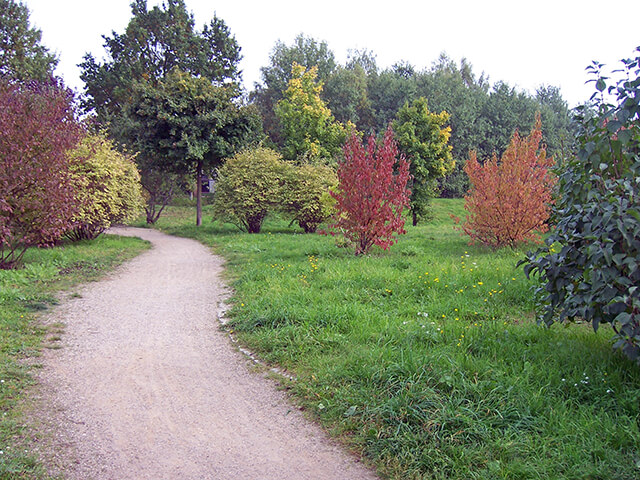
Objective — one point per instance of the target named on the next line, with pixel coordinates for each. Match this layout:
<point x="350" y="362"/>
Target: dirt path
<point x="147" y="387"/>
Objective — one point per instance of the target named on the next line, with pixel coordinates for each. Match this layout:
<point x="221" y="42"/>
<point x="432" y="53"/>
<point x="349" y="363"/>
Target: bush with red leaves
<point x="37" y="198"/>
<point x="372" y="193"/>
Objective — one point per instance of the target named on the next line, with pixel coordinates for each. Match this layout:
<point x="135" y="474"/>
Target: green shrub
<point x="590" y="267"/>
<point x="248" y="188"/>
<point x="109" y="189"/>
<point x="305" y="194"/>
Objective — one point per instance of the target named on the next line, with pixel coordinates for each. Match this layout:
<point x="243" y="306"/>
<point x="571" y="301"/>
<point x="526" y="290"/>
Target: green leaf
<point x="624" y="136"/>
<point x="613" y="126"/>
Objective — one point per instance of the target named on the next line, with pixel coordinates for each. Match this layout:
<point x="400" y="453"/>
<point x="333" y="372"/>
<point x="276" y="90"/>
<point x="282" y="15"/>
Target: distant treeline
<point x="483" y="115"/>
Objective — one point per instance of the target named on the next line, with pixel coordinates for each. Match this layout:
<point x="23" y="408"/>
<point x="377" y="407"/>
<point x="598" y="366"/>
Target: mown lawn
<point x="23" y="294"/>
<point x="426" y="359"/>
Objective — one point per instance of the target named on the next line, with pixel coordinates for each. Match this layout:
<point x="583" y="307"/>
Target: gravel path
<point x="146" y="386"/>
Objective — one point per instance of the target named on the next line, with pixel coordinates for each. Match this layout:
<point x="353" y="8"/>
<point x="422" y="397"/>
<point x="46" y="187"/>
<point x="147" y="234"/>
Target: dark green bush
<point x="589" y="268"/>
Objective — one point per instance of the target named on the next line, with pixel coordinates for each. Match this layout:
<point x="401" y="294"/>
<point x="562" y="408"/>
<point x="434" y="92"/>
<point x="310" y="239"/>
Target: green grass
<point x="23" y="294"/>
<point x="426" y="359"/>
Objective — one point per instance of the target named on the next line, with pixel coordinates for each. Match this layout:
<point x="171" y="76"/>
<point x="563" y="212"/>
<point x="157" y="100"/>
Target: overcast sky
<point x="525" y="44"/>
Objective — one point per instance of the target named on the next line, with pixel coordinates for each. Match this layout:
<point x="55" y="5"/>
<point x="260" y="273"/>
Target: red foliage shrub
<point x="509" y="201"/>
<point x="372" y="193"/>
<point x="37" y="128"/>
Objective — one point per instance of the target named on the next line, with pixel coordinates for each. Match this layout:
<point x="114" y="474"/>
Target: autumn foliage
<point x="372" y="193"/>
<point x="509" y="201"/>
<point x="37" y="195"/>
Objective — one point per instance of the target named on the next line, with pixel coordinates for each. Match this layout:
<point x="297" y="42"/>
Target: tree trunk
<point x="415" y="217"/>
<point x="199" y="194"/>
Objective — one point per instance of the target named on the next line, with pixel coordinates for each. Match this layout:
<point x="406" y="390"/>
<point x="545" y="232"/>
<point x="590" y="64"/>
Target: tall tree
<point x="189" y="124"/>
<point x="390" y="90"/>
<point x="346" y="94"/>
<point x="423" y="137"/>
<point x="22" y="56"/>
<point x="454" y="88"/>
<point x="138" y="66"/>
<point x="505" y="111"/>
<point x="305" y="51"/>
<point x="154" y="42"/>
<point x="558" y="132"/>
<point x="309" y="129"/>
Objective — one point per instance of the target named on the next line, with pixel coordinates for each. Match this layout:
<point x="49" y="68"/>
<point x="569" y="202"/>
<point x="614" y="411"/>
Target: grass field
<point x="23" y="294"/>
<point x="426" y="359"/>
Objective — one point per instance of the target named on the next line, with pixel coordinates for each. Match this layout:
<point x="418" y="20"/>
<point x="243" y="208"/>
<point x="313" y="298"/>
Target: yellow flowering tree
<point x="309" y="129"/>
<point x="424" y="138"/>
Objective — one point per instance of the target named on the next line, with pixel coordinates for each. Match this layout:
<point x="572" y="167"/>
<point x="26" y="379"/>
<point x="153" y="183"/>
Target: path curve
<point x="146" y="386"/>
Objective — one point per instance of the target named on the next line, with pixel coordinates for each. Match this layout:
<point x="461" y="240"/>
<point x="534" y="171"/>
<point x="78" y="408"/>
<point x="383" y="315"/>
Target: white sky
<point x="524" y="43"/>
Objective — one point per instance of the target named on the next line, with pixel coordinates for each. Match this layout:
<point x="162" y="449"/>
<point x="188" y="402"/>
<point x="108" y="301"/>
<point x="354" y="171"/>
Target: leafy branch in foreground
<point x="589" y="268"/>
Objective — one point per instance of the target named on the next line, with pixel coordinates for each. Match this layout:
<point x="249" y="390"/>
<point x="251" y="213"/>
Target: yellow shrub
<point x="109" y="189"/>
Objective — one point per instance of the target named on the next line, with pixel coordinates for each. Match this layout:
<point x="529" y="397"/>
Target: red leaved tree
<point x="37" y="201"/>
<point x="372" y="193"/>
<point x="509" y="201"/>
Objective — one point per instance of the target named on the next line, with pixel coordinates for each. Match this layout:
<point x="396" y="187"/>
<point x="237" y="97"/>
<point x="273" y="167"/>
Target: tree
<point x="483" y="117"/>
<point x="107" y="187"/>
<point x="509" y="201"/>
<point x="455" y="89"/>
<point x="304" y="194"/>
<point x="372" y="193"/>
<point x="22" y="56"/>
<point x="305" y="51"/>
<point x="505" y="110"/>
<point x="347" y="90"/>
<point x="423" y="138"/>
<point x="589" y="267"/>
<point x="557" y="131"/>
<point x="37" y="194"/>
<point x="248" y="188"/>
<point x="159" y="187"/>
<point x="154" y="43"/>
<point x="346" y="95"/>
<point x="390" y="90"/>
<point x="188" y="124"/>
<point x="309" y="129"/>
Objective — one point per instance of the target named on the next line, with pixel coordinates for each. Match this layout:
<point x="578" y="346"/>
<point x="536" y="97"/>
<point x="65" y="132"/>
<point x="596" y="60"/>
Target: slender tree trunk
<point x="199" y="194"/>
<point x="415" y="217"/>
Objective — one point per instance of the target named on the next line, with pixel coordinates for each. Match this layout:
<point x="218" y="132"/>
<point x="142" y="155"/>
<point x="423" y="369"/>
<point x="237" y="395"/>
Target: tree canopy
<point x="22" y="56"/>
<point x="483" y="115"/>
<point x="423" y="137"/>
<point x="308" y="126"/>
<point x="304" y="51"/>
<point x="155" y="41"/>
<point x="187" y="124"/>
<point x="170" y="92"/>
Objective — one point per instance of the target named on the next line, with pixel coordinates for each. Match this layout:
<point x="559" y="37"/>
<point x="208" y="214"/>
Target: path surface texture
<point x="146" y="386"/>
